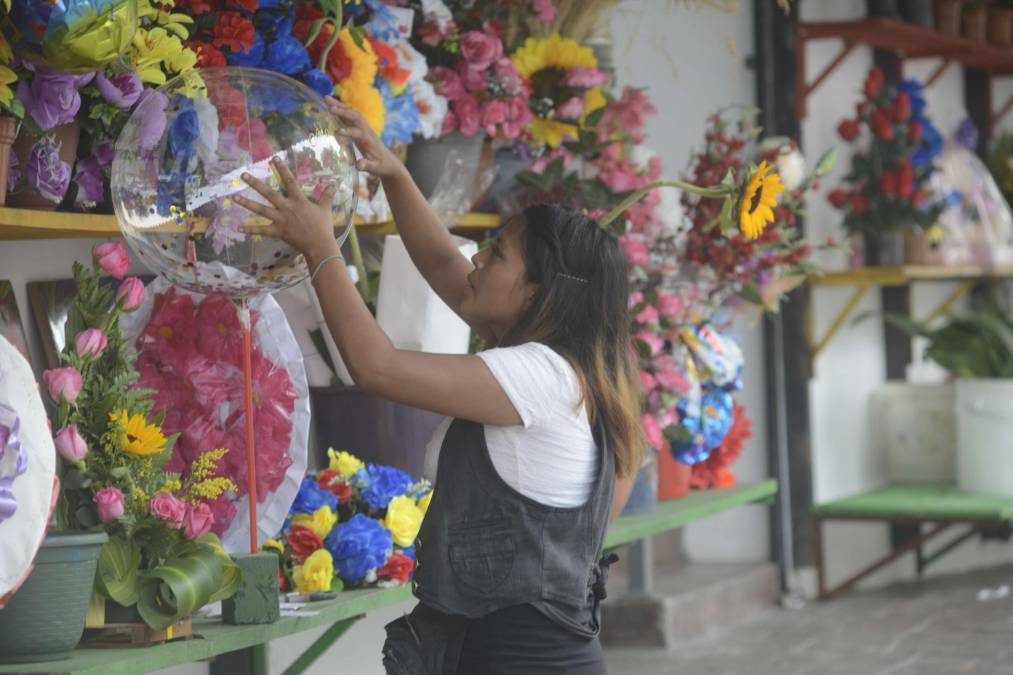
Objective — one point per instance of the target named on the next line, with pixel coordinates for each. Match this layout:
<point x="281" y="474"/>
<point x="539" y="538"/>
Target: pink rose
<point x="70" y="445"/>
<point x="447" y="83"/>
<point x="63" y="384"/>
<point x="653" y="432"/>
<point x="113" y="259"/>
<point x="505" y="72"/>
<point x="570" y="109"/>
<point x="90" y="342"/>
<point x="518" y="115"/>
<point x="468" y="116"/>
<point x="480" y="49"/>
<point x="493" y="114"/>
<point x="636" y="297"/>
<point x="545" y="9"/>
<point x="131" y="292"/>
<point x="109" y="502"/>
<point x="449" y="123"/>
<point x="197" y="521"/>
<point x="670" y="304"/>
<point x="473" y="81"/>
<point x="672" y="380"/>
<point x="168" y="509"/>
<point x="648" y="315"/>
<point x="586" y="78"/>
<point x="620" y="181"/>
<point x="647" y="381"/>
<point x="653" y="342"/>
<point x="636" y="250"/>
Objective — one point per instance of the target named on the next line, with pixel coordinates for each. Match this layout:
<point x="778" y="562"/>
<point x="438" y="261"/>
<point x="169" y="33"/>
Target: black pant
<point x="517" y="640"/>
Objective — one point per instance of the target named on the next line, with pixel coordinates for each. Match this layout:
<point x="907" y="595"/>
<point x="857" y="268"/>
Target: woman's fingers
<point x="287" y="179"/>
<point x="368" y="165"/>
<point x="327" y="197"/>
<point x="256" y="207"/>
<point x="271" y="230"/>
<point x="265" y="190"/>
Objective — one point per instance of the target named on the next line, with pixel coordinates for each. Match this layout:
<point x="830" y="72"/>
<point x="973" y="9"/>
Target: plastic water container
<point x="985" y="436"/>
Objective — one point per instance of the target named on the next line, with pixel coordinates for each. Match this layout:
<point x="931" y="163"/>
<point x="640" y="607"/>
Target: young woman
<point x="509" y="571"/>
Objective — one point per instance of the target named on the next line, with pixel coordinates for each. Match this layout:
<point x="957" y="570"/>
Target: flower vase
<point x="917" y="250"/>
<point x="45" y="618"/>
<point x="8" y="131"/>
<point x="884" y="248"/>
<point x="644" y="496"/>
<point x="27" y="197"/>
<point x="673" y="476"/>
<point x="454" y="155"/>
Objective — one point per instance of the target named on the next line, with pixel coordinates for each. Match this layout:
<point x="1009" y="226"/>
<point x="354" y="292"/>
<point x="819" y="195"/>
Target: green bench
<point x="244" y="648"/>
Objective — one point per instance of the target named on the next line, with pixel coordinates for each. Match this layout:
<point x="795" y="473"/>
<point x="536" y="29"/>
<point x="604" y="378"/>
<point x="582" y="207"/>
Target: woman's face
<point x="499" y="292"/>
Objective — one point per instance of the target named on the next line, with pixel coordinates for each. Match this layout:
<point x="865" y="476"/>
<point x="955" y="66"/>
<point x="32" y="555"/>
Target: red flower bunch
<point x="713" y="472"/>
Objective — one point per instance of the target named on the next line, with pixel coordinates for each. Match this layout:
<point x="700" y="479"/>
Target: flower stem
<point x="715" y="191"/>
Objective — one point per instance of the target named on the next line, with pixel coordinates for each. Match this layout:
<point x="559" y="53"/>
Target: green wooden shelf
<point x="212" y="638"/>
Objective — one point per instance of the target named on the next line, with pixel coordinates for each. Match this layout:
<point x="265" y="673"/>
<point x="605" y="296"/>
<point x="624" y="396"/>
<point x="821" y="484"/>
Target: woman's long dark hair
<point x="581" y="311"/>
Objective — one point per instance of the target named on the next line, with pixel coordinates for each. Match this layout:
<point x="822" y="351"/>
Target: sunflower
<point x="135" y="436"/>
<point x="756" y="208"/>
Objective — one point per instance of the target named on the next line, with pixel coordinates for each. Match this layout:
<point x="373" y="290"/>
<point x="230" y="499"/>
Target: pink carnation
<point x="518" y="116"/>
<point x="648" y="315"/>
<point x="480" y="50"/>
<point x="654" y="343"/>
<point x="468" y="115"/>
<point x="670" y="304"/>
<point x="545" y="9"/>
<point x="653" y="432"/>
<point x="473" y="81"/>
<point x="636" y="250"/>
<point x="447" y="83"/>
<point x="636" y="297"/>
<point x="571" y="109"/>
<point x="647" y="381"/>
<point x="493" y="114"/>
<point x="672" y="380"/>
<point x="505" y="72"/>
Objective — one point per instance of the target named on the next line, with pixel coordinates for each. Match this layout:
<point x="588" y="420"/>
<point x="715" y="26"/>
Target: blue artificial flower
<point x="358" y="547"/>
<point x="287" y="55"/>
<point x="402" y="115"/>
<point x="311" y="497"/>
<point x="408" y="552"/>
<point x="913" y="88"/>
<point x="967" y="134"/>
<point x="273" y="25"/>
<point x="251" y="58"/>
<point x="379" y="484"/>
<point x="931" y="145"/>
<point x="184" y="130"/>
<point x="382" y="24"/>
<point x="319" y="81"/>
<point x="264" y="100"/>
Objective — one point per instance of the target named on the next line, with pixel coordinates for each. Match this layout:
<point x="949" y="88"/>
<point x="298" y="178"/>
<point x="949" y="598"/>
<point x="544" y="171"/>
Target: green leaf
<point x="594" y="119"/>
<point x="729" y="180"/>
<point x="117" y="574"/>
<point x="231" y="572"/>
<point x="75" y="478"/>
<point x="726" y="219"/>
<point x="750" y="292"/>
<point x="314" y="32"/>
<point x="677" y="433"/>
<point x="826" y="163"/>
<point x="180" y="587"/>
<point x="530" y="179"/>
<point x="357" y="37"/>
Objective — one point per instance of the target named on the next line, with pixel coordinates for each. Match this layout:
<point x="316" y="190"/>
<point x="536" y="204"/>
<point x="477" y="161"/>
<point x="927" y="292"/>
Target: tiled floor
<point x="934" y="627"/>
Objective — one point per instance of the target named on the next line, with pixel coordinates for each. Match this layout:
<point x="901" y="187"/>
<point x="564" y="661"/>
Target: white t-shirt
<point x="551" y="457"/>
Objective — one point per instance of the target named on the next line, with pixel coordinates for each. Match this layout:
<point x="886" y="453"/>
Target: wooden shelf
<point x="28" y="224"/>
<point x="907" y="40"/>
<point x="902" y="276"/>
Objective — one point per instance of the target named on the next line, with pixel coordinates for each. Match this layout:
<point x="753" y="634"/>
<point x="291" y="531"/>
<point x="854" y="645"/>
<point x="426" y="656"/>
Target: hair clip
<point x="571" y="277"/>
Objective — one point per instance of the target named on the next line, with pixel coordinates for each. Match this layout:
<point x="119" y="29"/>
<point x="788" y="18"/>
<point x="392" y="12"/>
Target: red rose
<point x="881" y="125"/>
<point x="282" y="581"/>
<point x="326" y="477"/>
<point x="848" y="129"/>
<point x="343" y="491"/>
<point x="231" y="105"/>
<point x="838" y="198"/>
<point x="303" y="542"/>
<point x="888" y="184"/>
<point x="901" y="107"/>
<point x="398" y="568"/>
<point x="874" y="82"/>
<point x="208" y="56"/>
<point x="906" y="179"/>
<point x="914" y="132"/>
<point x="332" y="480"/>
<point x="859" y="203"/>
<point x="233" y="32"/>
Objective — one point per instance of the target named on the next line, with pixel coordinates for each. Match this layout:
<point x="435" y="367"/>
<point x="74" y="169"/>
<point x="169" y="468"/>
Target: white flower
<point x="432" y="109"/>
<point x="791" y="167"/>
<point x="207" y="121"/>
<point x="437" y="11"/>
<point x="411" y="60"/>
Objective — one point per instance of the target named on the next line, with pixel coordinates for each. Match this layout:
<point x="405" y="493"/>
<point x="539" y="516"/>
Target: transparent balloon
<point x="178" y="166"/>
<point x="74" y="36"/>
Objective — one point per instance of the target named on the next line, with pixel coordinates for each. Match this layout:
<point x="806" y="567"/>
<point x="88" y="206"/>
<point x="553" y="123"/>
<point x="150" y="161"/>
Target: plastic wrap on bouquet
<point x="977" y="220"/>
<point x="189" y="349"/>
<point x="27" y="469"/>
<point x="718" y="356"/>
<point x="75" y="36"/>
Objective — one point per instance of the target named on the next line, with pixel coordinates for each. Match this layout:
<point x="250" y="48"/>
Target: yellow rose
<point x="345" y="463"/>
<point x="320" y="521"/>
<point x="403" y="520"/>
<point x="424" y="501"/>
<point x="316" y="574"/>
<point x="273" y="545"/>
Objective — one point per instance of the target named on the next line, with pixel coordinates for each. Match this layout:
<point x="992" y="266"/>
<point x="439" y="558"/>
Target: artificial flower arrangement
<point x="161" y="554"/>
<point x="352" y="524"/>
<point x="886" y="186"/>
<point x="189" y="355"/>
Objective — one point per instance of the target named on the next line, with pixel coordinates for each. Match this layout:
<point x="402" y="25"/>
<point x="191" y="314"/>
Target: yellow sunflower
<point x="7" y="78"/>
<point x="756" y="208"/>
<point x="135" y="436"/>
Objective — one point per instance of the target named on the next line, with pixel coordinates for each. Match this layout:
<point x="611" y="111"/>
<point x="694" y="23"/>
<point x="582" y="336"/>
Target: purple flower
<point x="90" y="186"/>
<point x="13" y="173"/>
<point x="967" y="134"/>
<point x="47" y="173"/>
<point x="51" y="100"/>
<point x="103" y="154"/>
<point x="152" y="111"/>
<point x="121" y="90"/>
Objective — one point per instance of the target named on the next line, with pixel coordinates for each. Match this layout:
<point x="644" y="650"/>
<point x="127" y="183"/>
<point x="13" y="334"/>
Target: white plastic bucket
<point x="985" y="436"/>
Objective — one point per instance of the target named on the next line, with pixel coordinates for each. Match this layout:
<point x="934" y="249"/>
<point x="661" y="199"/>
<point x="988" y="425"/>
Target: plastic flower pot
<point x="8" y="130"/>
<point x="673" y="477"/>
<point x="26" y="196"/>
<point x="45" y="619"/>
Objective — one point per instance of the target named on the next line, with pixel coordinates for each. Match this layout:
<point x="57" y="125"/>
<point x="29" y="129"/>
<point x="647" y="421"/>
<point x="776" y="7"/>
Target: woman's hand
<point x="376" y="158"/>
<point x="305" y="225"/>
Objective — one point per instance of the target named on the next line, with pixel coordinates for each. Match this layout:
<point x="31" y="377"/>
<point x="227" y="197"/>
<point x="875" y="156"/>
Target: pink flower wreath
<point x="190" y="353"/>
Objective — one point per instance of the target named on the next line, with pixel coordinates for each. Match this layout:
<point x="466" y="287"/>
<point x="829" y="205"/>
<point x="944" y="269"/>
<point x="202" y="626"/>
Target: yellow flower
<point x="552" y="52"/>
<point x="316" y="574"/>
<point x="152" y="48"/>
<point x="135" y="436"/>
<point x="756" y="208"/>
<point x="273" y="545"/>
<point x="424" y="501"/>
<point x="6" y="55"/>
<point x="211" y="489"/>
<point x="403" y="519"/>
<point x="551" y="132"/>
<point x="345" y="463"/>
<point x="364" y="65"/>
<point x="7" y="78"/>
<point x="935" y="234"/>
<point x="320" y="521"/>
<point x="365" y="98"/>
<point x="171" y="486"/>
<point x="593" y="99"/>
